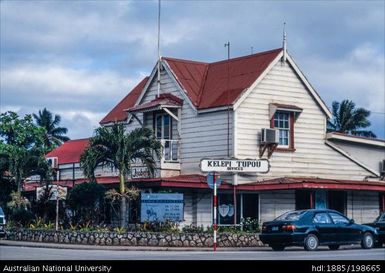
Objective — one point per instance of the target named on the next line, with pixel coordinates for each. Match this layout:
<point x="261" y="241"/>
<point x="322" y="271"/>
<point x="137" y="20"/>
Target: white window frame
<point x="162" y="125"/>
<point x="288" y="129"/>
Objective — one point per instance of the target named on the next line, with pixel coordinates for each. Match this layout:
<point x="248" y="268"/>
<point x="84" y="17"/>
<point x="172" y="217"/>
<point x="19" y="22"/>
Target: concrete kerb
<point x="122" y="248"/>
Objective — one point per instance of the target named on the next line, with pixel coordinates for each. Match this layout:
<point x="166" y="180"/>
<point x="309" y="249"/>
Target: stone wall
<point x="135" y="238"/>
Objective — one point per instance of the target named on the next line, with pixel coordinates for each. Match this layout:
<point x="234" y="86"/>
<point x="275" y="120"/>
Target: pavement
<point x="16" y="250"/>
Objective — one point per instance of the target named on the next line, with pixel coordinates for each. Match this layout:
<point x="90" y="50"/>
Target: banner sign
<point x="235" y="165"/>
<point x="55" y="192"/>
<point x="159" y="207"/>
<point x="140" y="172"/>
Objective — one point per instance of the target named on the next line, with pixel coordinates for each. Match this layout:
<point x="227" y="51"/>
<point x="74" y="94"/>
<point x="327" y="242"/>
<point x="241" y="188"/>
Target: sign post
<point x="229" y="166"/>
<point x="57" y="213"/>
<point x="215" y="213"/>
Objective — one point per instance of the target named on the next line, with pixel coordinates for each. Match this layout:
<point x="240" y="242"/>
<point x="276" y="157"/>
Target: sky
<point x="80" y="58"/>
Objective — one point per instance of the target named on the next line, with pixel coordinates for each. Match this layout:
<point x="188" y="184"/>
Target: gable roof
<point x="70" y="151"/>
<point x="118" y="113"/>
<point x="356" y="139"/>
<point x="207" y="84"/>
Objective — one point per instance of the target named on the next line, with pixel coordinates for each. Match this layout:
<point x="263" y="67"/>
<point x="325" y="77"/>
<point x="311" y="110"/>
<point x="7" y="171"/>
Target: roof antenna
<point x="158" y="81"/>
<point x="252" y="50"/>
<point x="284" y="43"/>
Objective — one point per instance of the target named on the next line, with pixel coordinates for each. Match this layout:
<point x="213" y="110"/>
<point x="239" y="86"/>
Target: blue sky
<point x="79" y="58"/>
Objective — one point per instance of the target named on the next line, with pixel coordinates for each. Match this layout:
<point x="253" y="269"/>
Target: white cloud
<point x="359" y="76"/>
<point x="81" y="97"/>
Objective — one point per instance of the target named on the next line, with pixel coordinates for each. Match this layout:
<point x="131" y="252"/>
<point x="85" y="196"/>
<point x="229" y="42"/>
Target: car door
<point x="346" y="231"/>
<point x="380" y="225"/>
<point x="325" y="227"/>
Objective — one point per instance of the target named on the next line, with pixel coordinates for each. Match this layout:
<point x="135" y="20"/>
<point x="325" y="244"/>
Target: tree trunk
<point x="123" y="202"/>
<point x="123" y="212"/>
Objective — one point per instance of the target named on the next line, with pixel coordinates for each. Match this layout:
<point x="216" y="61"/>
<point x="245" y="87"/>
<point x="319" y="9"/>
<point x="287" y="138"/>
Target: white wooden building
<point x="218" y="110"/>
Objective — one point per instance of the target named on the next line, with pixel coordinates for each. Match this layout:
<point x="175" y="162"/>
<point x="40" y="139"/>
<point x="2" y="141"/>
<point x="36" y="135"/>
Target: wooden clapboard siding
<point x="275" y="203"/>
<point x="188" y="208"/>
<point x="312" y="156"/>
<point x="203" y="135"/>
<point x="360" y="151"/>
<point x="363" y="206"/>
<point x="204" y="214"/>
<point x="67" y="173"/>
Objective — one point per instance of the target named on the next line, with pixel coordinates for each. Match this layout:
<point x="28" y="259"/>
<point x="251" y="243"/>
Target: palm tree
<point x="349" y="120"/>
<point x="113" y="147"/>
<point x="55" y="136"/>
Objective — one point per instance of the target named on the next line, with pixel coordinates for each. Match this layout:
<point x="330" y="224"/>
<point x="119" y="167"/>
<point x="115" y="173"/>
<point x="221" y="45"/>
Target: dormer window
<point x="163" y="126"/>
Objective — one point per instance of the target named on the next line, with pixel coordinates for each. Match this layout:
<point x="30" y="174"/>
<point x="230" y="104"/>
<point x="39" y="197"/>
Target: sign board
<point x="139" y="172"/>
<point x="55" y="192"/>
<point x="33" y="178"/>
<point x="210" y="180"/>
<point x="159" y="207"/>
<point x="235" y="165"/>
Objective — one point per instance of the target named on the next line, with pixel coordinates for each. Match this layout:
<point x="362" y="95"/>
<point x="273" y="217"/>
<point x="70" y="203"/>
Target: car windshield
<point x="1" y="220"/>
<point x="380" y="218"/>
<point x="291" y="216"/>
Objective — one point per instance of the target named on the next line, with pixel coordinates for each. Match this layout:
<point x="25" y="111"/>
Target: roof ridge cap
<point x="247" y="56"/>
<point x="185" y="60"/>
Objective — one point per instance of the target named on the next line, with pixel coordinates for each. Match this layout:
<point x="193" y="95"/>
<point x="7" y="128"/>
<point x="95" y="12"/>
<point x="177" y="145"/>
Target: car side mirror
<point x="351" y="221"/>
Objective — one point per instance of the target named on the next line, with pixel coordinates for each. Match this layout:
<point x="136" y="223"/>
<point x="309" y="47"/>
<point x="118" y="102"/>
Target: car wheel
<point x="367" y="241"/>
<point x="334" y="247"/>
<point x="311" y="242"/>
<point x="277" y="247"/>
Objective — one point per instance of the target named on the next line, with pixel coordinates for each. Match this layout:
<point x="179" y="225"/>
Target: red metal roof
<point x="163" y="100"/>
<point x="207" y="84"/>
<point x="118" y="113"/>
<point x="70" y="151"/>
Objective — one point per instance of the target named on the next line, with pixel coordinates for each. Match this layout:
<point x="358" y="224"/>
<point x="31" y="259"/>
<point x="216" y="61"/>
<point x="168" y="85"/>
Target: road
<point x="34" y="253"/>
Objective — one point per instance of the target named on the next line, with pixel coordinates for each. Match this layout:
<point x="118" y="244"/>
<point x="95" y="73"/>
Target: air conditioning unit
<point x="269" y="136"/>
<point x="53" y="162"/>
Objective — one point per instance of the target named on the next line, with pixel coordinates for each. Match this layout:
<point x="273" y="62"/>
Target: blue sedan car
<point x="314" y="227"/>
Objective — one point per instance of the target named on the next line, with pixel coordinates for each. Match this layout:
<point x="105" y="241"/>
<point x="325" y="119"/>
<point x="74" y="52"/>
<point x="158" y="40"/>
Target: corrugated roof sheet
<point x="70" y="151"/>
<point x="218" y="84"/>
<point x="207" y="84"/>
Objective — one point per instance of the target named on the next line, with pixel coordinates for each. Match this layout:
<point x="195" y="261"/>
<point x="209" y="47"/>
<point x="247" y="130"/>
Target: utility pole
<point x="158" y="80"/>
<point x="228" y="127"/>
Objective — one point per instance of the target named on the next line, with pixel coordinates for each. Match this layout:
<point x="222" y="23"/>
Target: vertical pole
<point x="235" y="204"/>
<point x="228" y="98"/>
<point x="284" y="43"/>
<point x="57" y="212"/>
<point x="158" y="80"/>
<point x="215" y="213"/>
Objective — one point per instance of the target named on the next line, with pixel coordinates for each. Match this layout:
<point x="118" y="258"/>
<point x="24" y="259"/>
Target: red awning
<point x="197" y="181"/>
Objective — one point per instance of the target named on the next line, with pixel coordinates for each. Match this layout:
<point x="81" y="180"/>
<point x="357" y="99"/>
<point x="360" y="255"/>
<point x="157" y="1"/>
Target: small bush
<point x="167" y="226"/>
<point x="194" y="229"/>
<point x="250" y="225"/>
<point x="21" y="217"/>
